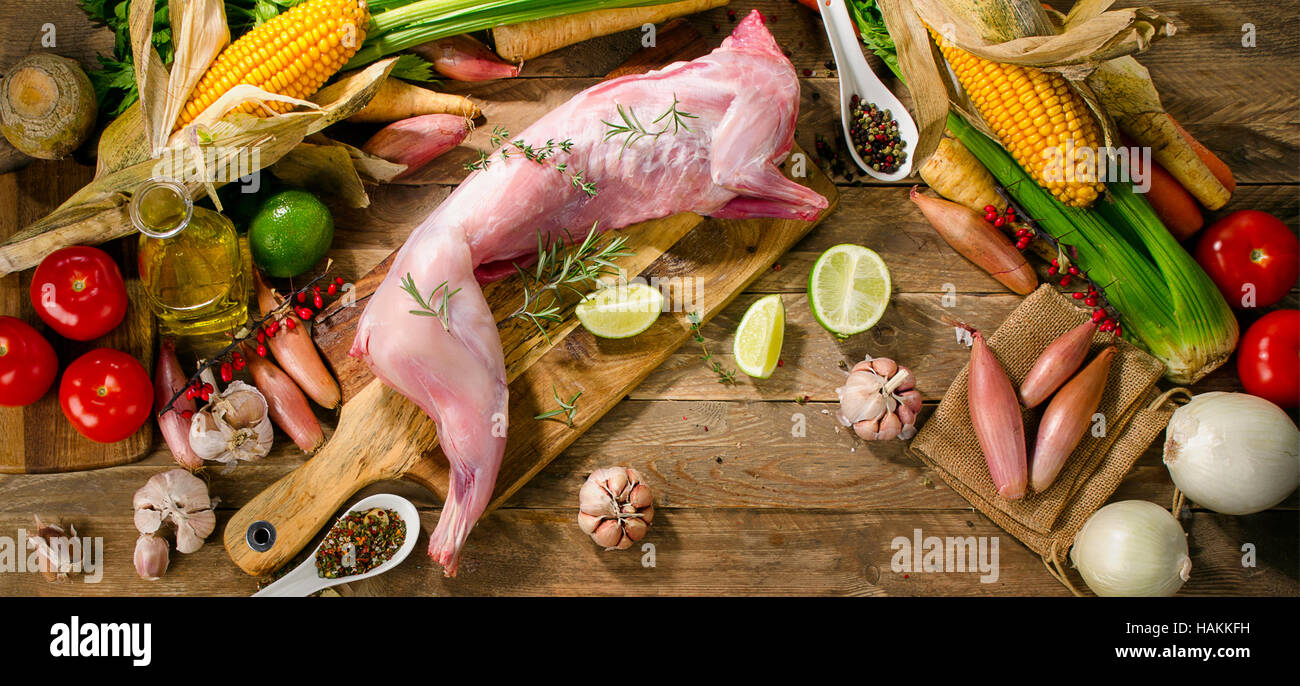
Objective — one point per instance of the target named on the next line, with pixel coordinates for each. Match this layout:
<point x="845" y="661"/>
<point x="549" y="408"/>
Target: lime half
<point x="848" y="289"/>
<point x="620" y="311"/>
<point x="759" y="337"/>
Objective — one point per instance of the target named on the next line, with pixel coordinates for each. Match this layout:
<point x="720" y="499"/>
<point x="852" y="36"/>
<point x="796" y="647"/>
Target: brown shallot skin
<point x="285" y="403"/>
<point x="1058" y="361"/>
<point x="462" y="58"/>
<point x="297" y="354"/>
<point x="175" y="423"/>
<point x="978" y="241"/>
<point x="1067" y="418"/>
<point x="995" y="413"/>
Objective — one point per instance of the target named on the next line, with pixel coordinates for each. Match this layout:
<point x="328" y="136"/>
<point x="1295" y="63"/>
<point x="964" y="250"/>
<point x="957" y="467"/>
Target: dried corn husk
<point x="922" y="69"/>
<point x="334" y="169"/>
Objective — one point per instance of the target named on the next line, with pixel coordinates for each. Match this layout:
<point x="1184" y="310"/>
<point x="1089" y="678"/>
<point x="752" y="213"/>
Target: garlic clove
<point x="608" y="533"/>
<point x="641" y="497"/>
<point x="636" y="529"/>
<point x="884" y="366"/>
<point x="890" y="427"/>
<point x="151" y="558"/>
<point x="867" y="428"/>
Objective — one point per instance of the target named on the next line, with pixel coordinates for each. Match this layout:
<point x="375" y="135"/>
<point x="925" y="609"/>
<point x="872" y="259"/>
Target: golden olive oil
<point x="190" y="263"/>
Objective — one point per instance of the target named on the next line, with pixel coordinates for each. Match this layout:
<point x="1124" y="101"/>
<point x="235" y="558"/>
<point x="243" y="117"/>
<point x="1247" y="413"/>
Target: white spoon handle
<point x="301" y="582"/>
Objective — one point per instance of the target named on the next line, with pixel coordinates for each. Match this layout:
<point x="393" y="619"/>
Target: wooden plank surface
<point x="749" y="508"/>
<point x="38" y="438"/>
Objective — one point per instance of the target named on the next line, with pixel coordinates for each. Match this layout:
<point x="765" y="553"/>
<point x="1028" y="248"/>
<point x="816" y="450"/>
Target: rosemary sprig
<point x="568" y="409"/>
<point x="539" y="154"/>
<point x="635" y="130"/>
<point x="725" y="376"/>
<point x="426" y="309"/>
<point x="561" y="266"/>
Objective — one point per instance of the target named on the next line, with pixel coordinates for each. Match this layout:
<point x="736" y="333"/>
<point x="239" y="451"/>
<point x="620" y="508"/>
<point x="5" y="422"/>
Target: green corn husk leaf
<point x="1167" y="303"/>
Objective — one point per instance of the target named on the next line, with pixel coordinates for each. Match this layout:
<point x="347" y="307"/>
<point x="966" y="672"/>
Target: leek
<point x="1167" y="303"/>
<point x="397" y="25"/>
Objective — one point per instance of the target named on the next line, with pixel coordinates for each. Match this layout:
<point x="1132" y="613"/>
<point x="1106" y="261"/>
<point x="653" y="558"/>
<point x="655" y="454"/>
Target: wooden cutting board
<point x="38" y="438"/>
<point x="381" y="435"/>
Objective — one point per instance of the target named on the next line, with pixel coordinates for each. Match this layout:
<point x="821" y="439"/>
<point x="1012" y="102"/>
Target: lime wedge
<point x="759" y="337"/>
<point x="848" y="289"/>
<point x="620" y="311"/>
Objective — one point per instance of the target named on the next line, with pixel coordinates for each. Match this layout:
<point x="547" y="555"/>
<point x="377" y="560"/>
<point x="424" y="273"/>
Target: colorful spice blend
<point x="875" y="136"/>
<point x="360" y="542"/>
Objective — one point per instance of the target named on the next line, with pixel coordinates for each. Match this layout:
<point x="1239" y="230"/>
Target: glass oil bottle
<point x="190" y="263"/>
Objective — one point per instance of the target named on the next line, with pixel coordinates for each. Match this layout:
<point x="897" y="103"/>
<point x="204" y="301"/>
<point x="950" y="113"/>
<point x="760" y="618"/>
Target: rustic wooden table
<point x="746" y="506"/>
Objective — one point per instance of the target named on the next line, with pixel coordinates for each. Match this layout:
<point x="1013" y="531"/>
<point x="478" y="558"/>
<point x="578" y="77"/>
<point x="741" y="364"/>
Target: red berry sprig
<point x="310" y="299"/>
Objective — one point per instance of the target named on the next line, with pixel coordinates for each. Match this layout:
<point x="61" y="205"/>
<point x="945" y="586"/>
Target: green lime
<point x="620" y="311"/>
<point x="759" y="337"/>
<point x="848" y="289"/>
<point x="290" y="233"/>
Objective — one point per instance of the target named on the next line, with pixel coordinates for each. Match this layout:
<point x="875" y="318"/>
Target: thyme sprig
<point x="426" y="307"/>
<point x="632" y="127"/>
<point x="568" y="409"/>
<point x="540" y="154"/>
<point x="561" y="266"/>
<point x="725" y="376"/>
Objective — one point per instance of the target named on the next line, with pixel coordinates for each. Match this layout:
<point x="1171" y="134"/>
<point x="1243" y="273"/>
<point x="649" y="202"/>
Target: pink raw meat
<point x="745" y="97"/>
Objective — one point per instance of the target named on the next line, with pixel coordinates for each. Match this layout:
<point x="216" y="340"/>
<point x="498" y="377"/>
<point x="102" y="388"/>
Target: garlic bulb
<point x="615" y="507"/>
<point x="879" y="400"/>
<point x="150" y="557"/>
<point x="234" y="426"/>
<point x="55" y="550"/>
<point x="181" y="498"/>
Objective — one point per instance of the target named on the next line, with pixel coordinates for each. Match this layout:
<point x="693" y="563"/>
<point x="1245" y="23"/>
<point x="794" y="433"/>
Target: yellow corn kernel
<point x="1034" y="114"/>
<point x="293" y="54"/>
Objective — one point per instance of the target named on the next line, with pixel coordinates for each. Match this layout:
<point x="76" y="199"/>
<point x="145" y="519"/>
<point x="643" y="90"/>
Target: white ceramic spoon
<point x="304" y="580"/>
<point x="856" y="78"/>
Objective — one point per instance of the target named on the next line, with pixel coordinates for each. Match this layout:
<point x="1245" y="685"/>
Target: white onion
<point x="1132" y="548"/>
<point x="1233" y="453"/>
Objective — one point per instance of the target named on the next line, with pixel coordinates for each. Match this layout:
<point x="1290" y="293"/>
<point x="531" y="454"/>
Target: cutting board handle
<point x="364" y="449"/>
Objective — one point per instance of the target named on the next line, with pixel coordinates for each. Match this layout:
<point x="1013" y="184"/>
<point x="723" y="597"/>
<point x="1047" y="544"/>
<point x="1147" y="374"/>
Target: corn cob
<point x="293" y="54"/>
<point x="1038" y="118"/>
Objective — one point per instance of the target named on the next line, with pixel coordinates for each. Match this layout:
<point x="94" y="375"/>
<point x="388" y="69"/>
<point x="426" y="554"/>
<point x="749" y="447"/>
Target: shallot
<point x="1233" y="453"/>
<point x="287" y="405"/>
<point x="615" y="507"/>
<point x="978" y="241"/>
<point x="462" y="58"/>
<point x="1132" y="548"/>
<point x="879" y="400"/>
<point x="174" y="423"/>
<point x="1066" y="419"/>
<point x="416" y="141"/>
<point x="1056" y="363"/>
<point x="296" y="353"/>
<point x="995" y="414"/>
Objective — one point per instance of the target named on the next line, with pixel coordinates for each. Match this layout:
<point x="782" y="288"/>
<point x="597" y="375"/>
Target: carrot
<point x="519" y="42"/>
<point x="1211" y="160"/>
<point x="1174" y="205"/>
<point x="398" y="99"/>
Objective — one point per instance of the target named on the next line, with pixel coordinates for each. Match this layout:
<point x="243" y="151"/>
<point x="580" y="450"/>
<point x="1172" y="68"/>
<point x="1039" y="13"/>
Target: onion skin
<point x="1057" y="362"/>
<point x="978" y="241"/>
<point x="995" y="413"/>
<point x="297" y="354"/>
<point x="175" y="427"/>
<point x="1066" y="419"/>
<point x="1113" y="552"/>
<point x="462" y="58"/>
<point x="285" y="402"/>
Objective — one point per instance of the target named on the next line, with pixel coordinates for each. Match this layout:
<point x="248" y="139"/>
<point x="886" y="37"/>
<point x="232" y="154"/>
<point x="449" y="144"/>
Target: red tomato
<point x="79" y="292"/>
<point x="27" y="363"/>
<point x="1250" y="247"/>
<point x="106" y="394"/>
<point x="1268" y="359"/>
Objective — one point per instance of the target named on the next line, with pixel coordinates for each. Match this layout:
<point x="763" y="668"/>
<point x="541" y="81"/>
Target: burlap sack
<point x="1134" y="411"/>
